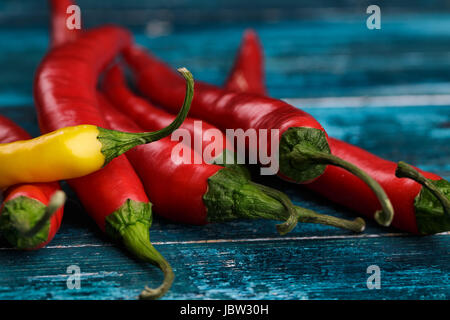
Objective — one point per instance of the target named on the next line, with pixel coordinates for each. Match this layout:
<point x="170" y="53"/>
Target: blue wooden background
<point x="385" y="90"/>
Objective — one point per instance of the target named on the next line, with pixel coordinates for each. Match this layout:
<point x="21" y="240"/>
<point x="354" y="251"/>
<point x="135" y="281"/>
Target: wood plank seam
<point x="373" y="101"/>
<point x="206" y="241"/>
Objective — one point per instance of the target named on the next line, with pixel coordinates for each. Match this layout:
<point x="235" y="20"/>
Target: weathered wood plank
<point x="308" y="269"/>
<point x="31" y="13"/>
<point x="414" y="267"/>
<point x="310" y="58"/>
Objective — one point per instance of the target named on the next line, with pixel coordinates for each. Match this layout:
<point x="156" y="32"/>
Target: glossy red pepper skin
<point x="65" y="95"/>
<point x="162" y="177"/>
<point x="225" y="109"/>
<point x="247" y="74"/>
<point x="65" y="82"/>
<point x="60" y="34"/>
<point x="343" y="188"/>
<point x="337" y="184"/>
<point x="149" y="117"/>
<point x="41" y="192"/>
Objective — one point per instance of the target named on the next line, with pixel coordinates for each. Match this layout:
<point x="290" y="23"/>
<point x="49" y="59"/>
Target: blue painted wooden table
<point x="385" y="90"/>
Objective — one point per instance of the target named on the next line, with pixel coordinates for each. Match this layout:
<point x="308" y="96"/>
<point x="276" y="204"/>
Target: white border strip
<point x="372" y="101"/>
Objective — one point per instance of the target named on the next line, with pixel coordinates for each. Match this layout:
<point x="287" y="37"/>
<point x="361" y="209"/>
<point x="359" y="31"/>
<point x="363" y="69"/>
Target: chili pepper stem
<point x="404" y="170"/>
<point x="169" y="276"/>
<point x="56" y="201"/>
<point x="115" y="143"/>
<point x="309" y="216"/>
<point x="136" y="239"/>
<point x="302" y="153"/>
<point x="292" y="220"/>
<point x="25" y="215"/>
<point x="231" y="195"/>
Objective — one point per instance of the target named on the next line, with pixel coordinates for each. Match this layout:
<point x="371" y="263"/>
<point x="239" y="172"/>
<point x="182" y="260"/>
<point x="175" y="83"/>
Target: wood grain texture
<point x="320" y="57"/>
<point x="302" y="269"/>
<point x="249" y="260"/>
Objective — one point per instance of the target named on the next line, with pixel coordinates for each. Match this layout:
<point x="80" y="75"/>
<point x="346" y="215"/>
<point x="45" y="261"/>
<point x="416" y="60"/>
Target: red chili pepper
<point x="65" y="95"/>
<point x="416" y="209"/>
<point x="25" y="205"/>
<point x="213" y="193"/>
<point x="412" y="212"/>
<point x="60" y="33"/>
<point x="149" y="117"/>
<point x="304" y="152"/>
<point x="247" y="74"/>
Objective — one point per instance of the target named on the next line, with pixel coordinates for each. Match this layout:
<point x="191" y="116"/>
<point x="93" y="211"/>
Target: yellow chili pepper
<point x="77" y="151"/>
<point x="63" y="154"/>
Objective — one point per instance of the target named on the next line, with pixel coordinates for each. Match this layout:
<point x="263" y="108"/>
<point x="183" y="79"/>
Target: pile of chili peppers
<point x="98" y="133"/>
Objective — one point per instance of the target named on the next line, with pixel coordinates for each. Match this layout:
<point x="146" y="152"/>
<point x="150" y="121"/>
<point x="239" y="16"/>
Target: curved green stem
<point x="309" y="216"/>
<point x="292" y="220"/>
<point x="136" y="239"/>
<point x="115" y="143"/>
<point x="56" y="201"/>
<point x="404" y="170"/>
<point x="176" y="123"/>
<point x="302" y="153"/>
<point x="231" y="195"/>
<point x="152" y="294"/>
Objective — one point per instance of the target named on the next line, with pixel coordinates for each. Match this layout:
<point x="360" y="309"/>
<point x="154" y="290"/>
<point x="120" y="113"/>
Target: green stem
<point x="302" y="153"/>
<point x="404" y="170"/>
<point x="136" y="239"/>
<point x="176" y="123"/>
<point x="231" y="195"/>
<point x="309" y="216"/>
<point x="56" y="201"/>
<point x="292" y="220"/>
<point x="115" y="143"/>
<point x="130" y="224"/>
